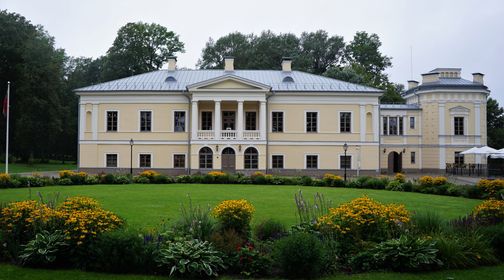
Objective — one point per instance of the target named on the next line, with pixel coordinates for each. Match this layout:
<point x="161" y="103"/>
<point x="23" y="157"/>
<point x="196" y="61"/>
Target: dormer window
<point x="288" y="79"/>
<point x="170" y="79"/>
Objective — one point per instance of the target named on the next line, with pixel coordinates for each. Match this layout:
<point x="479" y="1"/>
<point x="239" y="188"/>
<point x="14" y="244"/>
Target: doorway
<point x="394" y="162"/>
<point x="228" y="160"/>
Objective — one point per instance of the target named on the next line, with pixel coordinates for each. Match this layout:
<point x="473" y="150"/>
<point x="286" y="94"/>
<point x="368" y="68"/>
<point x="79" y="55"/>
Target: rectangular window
<point x="112" y="120"/>
<point x="250" y="120"/>
<point x="277" y="161"/>
<point x="412" y="122"/>
<point x="179" y="121"/>
<point x="178" y="161"/>
<point x="311" y="121"/>
<point x="458" y="125"/>
<point x="206" y="120"/>
<point x="401" y="125"/>
<point x="277" y="119"/>
<point x="111" y="160"/>
<point x="145" y="120"/>
<point x="311" y="161"/>
<point x="459" y="158"/>
<point x="413" y="157"/>
<point x="345" y="122"/>
<point x="145" y="161"/>
<point x="345" y="162"/>
<point x="385" y="125"/>
<point x="392" y="125"/>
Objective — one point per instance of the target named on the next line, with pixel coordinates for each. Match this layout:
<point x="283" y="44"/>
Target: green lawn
<point x="150" y="205"/>
<point x="11" y="272"/>
<point x="36" y="167"/>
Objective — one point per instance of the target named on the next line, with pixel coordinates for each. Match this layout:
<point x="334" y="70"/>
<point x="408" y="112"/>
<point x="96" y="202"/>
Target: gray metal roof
<point x="157" y="81"/>
<point x="448" y="83"/>
<point x="399" y="107"/>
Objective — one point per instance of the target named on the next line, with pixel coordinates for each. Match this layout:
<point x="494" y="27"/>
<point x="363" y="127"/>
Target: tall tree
<point x="495" y="124"/>
<point x="234" y="44"/>
<point x="138" y="48"/>
<point x="320" y="51"/>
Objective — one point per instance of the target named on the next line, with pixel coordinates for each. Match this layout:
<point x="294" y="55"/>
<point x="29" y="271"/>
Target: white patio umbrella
<point x="485" y="150"/>
<point x="498" y="154"/>
<point x="470" y="151"/>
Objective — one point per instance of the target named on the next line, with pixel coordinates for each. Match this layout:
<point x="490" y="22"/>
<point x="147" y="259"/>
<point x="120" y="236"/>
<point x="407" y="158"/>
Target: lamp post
<point x="131" y="142"/>
<point x="345" y="148"/>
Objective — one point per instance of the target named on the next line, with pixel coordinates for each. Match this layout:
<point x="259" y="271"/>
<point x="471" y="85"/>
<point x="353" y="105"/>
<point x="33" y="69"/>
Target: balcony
<point x="229" y="135"/>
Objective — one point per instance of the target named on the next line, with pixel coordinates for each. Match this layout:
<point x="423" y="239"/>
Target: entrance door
<point x="394" y="163"/>
<point x="228" y="120"/>
<point x="228" y="160"/>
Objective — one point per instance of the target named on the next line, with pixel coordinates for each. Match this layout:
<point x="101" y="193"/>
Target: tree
<point x="139" y="48"/>
<point x="495" y="124"/>
<point x="320" y="51"/>
<point x="234" y="44"/>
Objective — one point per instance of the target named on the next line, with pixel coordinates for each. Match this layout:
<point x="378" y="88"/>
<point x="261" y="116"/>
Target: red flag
<point x="5" y="106"/>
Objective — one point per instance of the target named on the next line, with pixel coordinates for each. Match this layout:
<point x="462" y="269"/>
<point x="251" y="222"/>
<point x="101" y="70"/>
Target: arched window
<point x="170" y="79"/>
<point x="288" y="79"/>
<point x="205" y="158"/>
<point x="251" y="157"/>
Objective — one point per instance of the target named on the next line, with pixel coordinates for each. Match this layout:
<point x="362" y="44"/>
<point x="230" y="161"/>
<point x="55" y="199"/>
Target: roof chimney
<point x="430" y="77"/>
<point x="286" y="64"/>
<point x="478" y="78"/>
<point x="412" y="84"/>
<point x="172" y="63"/>
<point x="228" y="63"/>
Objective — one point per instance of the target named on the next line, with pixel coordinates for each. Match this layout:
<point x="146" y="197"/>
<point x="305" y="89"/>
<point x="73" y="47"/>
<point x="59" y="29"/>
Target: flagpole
<point x="7" y="131"/>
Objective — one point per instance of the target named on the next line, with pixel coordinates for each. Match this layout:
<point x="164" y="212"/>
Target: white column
<point x="82" y="121"/>
<point x="442" y="131"/>
<point x="262" y="119"/>
<point x="217" y="123"/>
<point x="362" y="123"/>
<point x="376" y="122"/>
<point x="240" y="117"/>
<point x="477" y="124"/>
<point x="94" y="122"/>
<point x="194" y="120"/>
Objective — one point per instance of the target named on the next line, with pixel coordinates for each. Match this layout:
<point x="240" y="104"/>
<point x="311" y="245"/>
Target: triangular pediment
<point x="229" y="82"/>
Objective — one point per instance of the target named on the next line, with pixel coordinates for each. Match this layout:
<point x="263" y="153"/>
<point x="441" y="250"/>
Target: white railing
<point x="251" y="134"/>
<point x="228" y="134"/>
<point x="206" y="134"/>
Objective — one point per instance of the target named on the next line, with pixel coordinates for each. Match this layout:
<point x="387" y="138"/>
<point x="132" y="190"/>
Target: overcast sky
<point x="465" y="34"/>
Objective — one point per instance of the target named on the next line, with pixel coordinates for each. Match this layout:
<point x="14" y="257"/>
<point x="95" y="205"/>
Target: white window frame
<point x="105" y="159"/>
<point x="173" y="160"/>
<point x="283" y="121"/>
<point x="351" y="122"/>
<point x="306" y="161"/>
<point x="173" y="120"/>
<point x="306" y="124"/>
<point x="271" y="161"/>
<point x="140" y="120"/>
<point x="118" y="118"/>
<point x="151" y="159"/>
<point x="465" y="122"/>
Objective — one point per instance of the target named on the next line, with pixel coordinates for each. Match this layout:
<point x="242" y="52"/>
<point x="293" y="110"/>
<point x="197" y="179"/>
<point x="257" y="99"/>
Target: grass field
<point x="11" y="272"/>
<point x="36" y="167"/>
<point x="150" y="205"/>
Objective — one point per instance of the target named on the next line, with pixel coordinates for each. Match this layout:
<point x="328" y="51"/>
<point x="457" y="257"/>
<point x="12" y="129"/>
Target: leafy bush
<point x="192" y="258"/>
<point x="429" y="181"/>
<point x="427" y="222"/>
<point x="234" y="214"/>
<point x="65" y="182"/>
<point x="395" y="185"/>
<point x="308" y="213"/>
<point x="375" y="183"/>
<point x="92" y="180"/>
<point x="306" y="181"/>
<point x="299" y="255"/>
<point x="183" y="179"/>
<point x="332" y="180"/>
<point x="122" y="179"/>
<point x="227" y="240"/>
<point x="464" y="250"/>
<point x="491" y="186"/>
<point x="195" y="222"/>
<point x="44" y="248"/>
<point x="364" y="219"/>
<point x="406" y="254"/>
<point x="120" y="251"/>
<point x="141" y="180"/>
<point x="269" y="230"/>
<point x="495" y="235"/>
<point x="400" y="177"/>
<point x="491" y="211"/>
<point x="251" y="262"/>
<point x="34" y="181"/>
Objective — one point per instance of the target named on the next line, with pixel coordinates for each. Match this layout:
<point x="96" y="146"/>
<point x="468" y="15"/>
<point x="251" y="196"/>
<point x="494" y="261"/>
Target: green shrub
<point x="299" y="255"/>
<point x="92" y="180"/>
<point x="34" y="181"/>
<point x="251" y="262"/>
<point x="395" y="185"/>
<point x="473" y="192"/>
<point x="227" y="240"/>
<point x="306" y="181"/>
<point x="428" y="222"/>
<point x="464" y="250"/>
<point x="183" y="179"/>
<point x="407" y="186"/>
<point x="495" y="235"/>
<point x="192" y="258"/>
<point x="141" y="180"/>
<point x="374" y="183"/>
<point x="318" y="183"/>
<point x="44" y="249"/>
<point x="65" y="182"/>
<point x="122" y="179"/>
<point x="120" y="251"/>
<point x="195" y="221"/>
<point x="406" y="254"/>
<point x="269" y="230"/>
<point x="245" y="180"/>
<point x="107" y="179"/>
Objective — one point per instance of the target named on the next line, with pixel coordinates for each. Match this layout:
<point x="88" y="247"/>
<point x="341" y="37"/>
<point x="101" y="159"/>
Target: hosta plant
<point x="44" y="249"/>
<point x="193" y="258"/>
